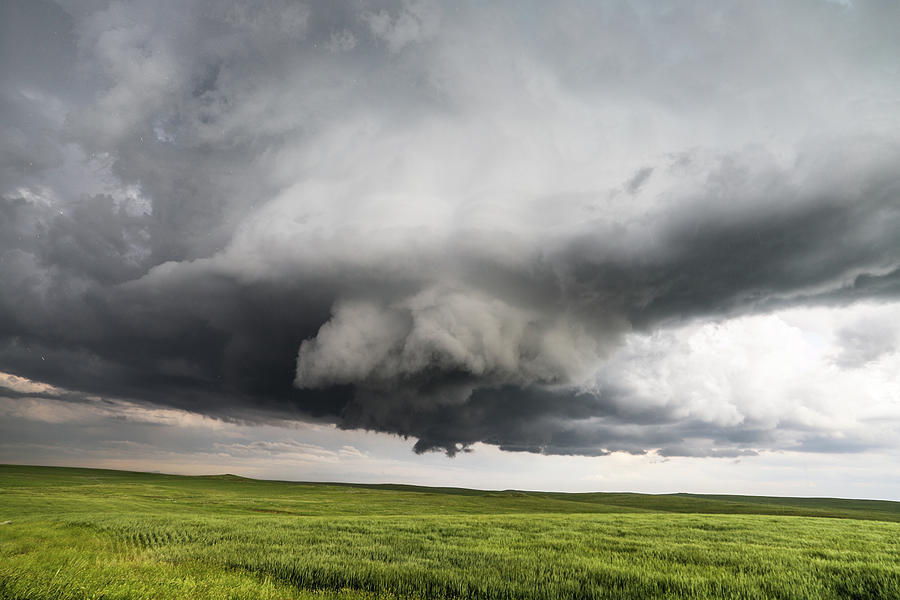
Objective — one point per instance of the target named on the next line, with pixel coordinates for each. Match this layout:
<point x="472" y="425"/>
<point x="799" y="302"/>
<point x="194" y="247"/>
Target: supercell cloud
<point x="583" y="229"/>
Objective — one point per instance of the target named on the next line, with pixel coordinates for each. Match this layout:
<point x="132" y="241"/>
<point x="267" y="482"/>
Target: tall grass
<point x="106" y="535"/>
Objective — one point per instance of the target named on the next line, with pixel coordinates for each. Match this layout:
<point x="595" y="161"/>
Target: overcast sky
<point x="615" y="245"/>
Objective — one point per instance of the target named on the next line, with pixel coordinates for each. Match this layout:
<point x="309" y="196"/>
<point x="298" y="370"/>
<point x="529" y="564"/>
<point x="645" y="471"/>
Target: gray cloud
<point x="412" y="219"/>
<point x="864" y="341"/>
<point x="633" y="185"/>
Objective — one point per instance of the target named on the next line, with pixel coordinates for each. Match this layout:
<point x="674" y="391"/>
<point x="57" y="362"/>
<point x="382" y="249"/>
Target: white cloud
<point x="775" y="372"/>
<point x="26" y="386"/>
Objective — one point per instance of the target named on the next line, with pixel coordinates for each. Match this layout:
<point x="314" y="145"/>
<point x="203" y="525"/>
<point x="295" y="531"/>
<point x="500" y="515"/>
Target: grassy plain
<point x="83" y="533"/>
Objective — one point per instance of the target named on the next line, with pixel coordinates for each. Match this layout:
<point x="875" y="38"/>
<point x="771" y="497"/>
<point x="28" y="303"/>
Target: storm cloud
<point x="516" y="224"/>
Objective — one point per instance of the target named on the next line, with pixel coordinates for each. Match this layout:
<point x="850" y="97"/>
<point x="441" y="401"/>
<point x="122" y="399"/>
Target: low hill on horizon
<point x="317" y="498"/>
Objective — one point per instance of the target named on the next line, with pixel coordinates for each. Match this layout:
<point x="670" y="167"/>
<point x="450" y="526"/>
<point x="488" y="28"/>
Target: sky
<point x="606" y="246"/>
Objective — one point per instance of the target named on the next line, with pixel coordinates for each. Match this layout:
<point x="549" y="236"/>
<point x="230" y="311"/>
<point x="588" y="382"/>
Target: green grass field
<point x="83" y="533"/>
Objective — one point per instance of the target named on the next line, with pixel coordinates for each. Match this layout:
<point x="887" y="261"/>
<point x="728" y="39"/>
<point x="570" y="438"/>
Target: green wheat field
<point x="85" y="533"/>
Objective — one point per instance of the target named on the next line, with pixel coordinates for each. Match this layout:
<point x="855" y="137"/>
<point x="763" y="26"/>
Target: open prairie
<point x="84" y="533"/>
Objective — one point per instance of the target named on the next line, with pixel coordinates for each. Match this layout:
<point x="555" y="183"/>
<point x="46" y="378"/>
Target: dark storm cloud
<point x="411" y="219"/>
<point x="761" y="241"/>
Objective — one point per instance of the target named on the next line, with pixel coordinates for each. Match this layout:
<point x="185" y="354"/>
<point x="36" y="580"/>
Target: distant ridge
<point x="471" y="501"/>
